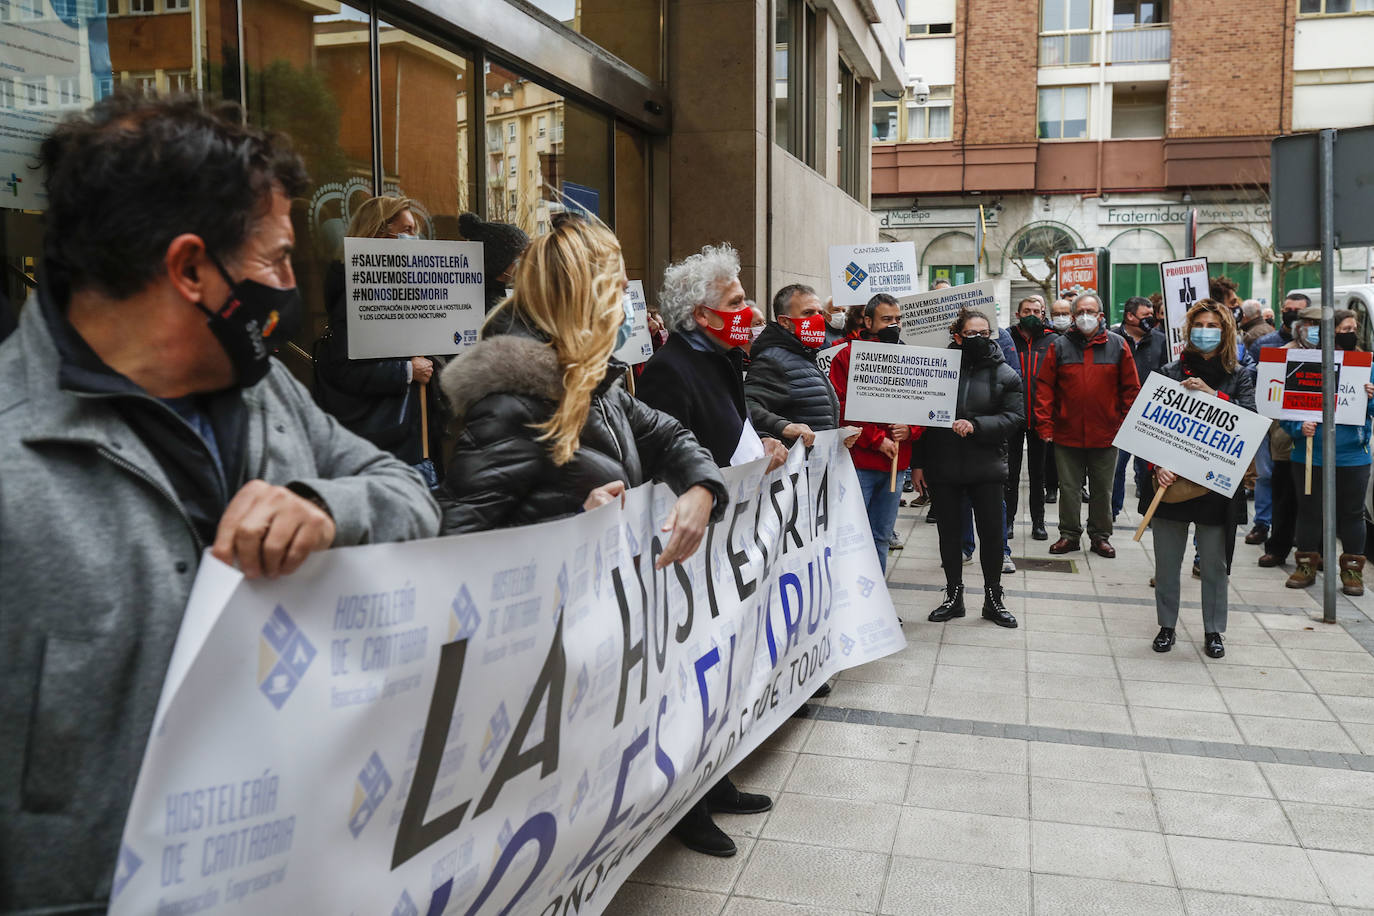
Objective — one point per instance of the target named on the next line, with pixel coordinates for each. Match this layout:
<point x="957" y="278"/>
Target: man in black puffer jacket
<point x="787" y="395"/>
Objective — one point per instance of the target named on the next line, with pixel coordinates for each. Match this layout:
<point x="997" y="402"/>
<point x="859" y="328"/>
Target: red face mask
<point x="735" y="331"/>
<point x="810" y="330"/>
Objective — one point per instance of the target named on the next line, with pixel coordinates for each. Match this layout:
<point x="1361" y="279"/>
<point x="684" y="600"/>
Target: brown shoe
<point x="1258" y="534"/>
<point x="1306" y="572"/>
<point x="1065" y="545"/>
<point x="1103" y="548"/>
<point x="1352" y="574"/>
<point x="1269" y="561"/>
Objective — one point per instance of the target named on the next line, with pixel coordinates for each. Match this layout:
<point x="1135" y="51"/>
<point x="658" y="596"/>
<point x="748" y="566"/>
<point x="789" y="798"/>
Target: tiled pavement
<point x="1064" y="767"/>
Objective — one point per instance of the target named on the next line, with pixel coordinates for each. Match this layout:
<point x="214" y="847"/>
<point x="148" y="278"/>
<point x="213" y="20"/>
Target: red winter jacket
<point x="865" y="451"/>
<point x="1084" y="389"/>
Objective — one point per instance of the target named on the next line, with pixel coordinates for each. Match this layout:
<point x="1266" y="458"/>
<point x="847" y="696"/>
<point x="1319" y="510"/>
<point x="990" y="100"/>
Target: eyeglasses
<point x="975" y="334"/>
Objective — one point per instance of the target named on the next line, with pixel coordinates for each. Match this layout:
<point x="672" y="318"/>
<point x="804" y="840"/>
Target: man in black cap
<point x="502" y="245"/>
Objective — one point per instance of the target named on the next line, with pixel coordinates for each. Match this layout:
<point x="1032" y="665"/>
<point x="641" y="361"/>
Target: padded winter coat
<point x="1084" y="388"/>
<point x="785" y="386"/>
<point x="501" y="476"/>
<point x="989" y="398"/>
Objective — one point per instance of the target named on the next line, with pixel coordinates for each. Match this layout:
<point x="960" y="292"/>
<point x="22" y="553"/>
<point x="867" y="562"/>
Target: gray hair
<point x="696" y="280"/>
<point x="1250" y="308"/>
<point x="1084" y="297"/>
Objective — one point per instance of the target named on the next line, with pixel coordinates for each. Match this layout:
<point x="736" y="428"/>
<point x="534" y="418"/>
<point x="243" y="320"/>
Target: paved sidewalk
<point x="1064" y="767"/>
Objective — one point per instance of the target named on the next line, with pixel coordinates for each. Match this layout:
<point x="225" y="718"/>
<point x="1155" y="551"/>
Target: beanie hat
<point x="502" y="243"/>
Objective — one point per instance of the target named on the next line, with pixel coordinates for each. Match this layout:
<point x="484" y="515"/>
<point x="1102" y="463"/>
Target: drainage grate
<point x="1044" y="564"/>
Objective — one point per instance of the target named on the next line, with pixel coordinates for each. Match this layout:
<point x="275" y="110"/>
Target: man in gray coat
<point x="142" y="421"/>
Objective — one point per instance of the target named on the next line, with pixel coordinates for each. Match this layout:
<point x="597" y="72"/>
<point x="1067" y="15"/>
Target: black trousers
<point x="1285" y="511"/>
<point x="947" y="502"/>
<point x="1039" y="464"/>
<point x="1351" y="483"/>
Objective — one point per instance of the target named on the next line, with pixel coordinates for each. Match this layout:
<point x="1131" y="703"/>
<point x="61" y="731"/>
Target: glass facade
<point x="308" y="68"/>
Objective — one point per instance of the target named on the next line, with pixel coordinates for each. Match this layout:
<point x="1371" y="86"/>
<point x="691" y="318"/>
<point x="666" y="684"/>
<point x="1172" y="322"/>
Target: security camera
<point x="918" y="89"/>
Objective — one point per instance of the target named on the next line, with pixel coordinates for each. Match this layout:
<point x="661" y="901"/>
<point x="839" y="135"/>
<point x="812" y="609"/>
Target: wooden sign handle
<point x="424" y="420"/>
<point x="1150" y="512"/>
<point x="892" y="484"/>
<point x="1308" y="491"/>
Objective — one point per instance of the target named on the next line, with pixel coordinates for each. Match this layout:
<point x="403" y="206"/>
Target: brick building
<point x="1087" y="123"/>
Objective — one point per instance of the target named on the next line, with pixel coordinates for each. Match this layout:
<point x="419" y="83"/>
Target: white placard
<point x="412" y="298"/>
<point x="1288" y="385"/>
<point x="1204" y="438"/>
<point x="827" y="356"/>
<point x="894" y="383"/>
<point x="926" y="317"/>
<point x="1182" y="283"/>
<point x="503" y="722"/>
<point x="858" y="272"/>
<point x="640" y="346"/>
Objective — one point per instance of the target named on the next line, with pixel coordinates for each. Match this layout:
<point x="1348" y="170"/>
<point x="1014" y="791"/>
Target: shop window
<point x="1132" y="280"/>
<point x="1239" y="271"/>
<point x="632" y="204"/>
<point x="954" y="274"/>
<point x="1063" y="113"/>
<point x="851" y="146"/>
<point x="1334" y="7"/>
<point x="794" y="93"/>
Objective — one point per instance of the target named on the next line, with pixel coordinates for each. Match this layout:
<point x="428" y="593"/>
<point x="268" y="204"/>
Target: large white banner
<point x="505" y="722"/>
<point x="858" y="272"/>
<point x="894" y="383"/>
<point x="1288" y="385"/>
<point x="926" y="317"/>
<point x="1208" y="440"/>
<point x="408" y="297"/>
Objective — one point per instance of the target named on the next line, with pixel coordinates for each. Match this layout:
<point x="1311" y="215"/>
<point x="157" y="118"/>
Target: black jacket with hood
<point x="501" y="476"/>
<point x="785" y="386"/>
<point x="989" y="398"/>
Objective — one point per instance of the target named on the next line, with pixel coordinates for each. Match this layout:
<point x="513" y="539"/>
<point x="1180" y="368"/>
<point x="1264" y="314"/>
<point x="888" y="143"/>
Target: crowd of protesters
<point x="188" y="435"/>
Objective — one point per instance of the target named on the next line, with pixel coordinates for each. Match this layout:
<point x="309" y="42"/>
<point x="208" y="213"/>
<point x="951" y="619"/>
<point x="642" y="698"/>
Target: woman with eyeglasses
<point x="968" y="462"/>
<point x="1209" y="366"/>
<point x="1352" y="469"/>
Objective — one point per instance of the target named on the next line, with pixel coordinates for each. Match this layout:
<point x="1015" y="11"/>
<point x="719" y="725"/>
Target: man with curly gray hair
<point x="697" y="281"/>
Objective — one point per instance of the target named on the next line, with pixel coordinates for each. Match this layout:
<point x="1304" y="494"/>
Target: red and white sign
<point x="1288" y="385"/>
<point x="1078" y="272"/>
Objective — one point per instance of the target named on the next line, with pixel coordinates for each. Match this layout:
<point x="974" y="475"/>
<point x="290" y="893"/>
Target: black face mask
<point x="976" y="348"/>
<point x="1346" y="340"/>
<point x="1288" y="318"/>
<point x="253" y="313"/>
<point x="891" y="335"/>
<point x="1147" y="324"/>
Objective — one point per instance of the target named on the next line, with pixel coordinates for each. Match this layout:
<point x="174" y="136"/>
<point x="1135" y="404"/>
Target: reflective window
<point x="884" y="119"/>
<point x="794" y="79"/>
<point x="1063" y="113"/>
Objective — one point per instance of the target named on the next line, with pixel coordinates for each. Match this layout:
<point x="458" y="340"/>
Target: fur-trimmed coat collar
<point x="509" y="363"/>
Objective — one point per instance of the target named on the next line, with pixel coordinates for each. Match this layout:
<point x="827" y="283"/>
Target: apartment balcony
<point x="497" y="180"/>
<point x="1149" y="44"/>
<point x="1068" y="49"/>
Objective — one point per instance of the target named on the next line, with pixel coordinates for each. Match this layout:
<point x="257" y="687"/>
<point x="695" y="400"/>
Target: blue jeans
<point x="1264" y="486"/>
<point x="969" y="543"/>
<point x="1119" y="484"/>
<point x="882" y="508"/>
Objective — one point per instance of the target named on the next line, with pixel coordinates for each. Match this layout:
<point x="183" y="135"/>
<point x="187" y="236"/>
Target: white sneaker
<point x="1007" y="565"/>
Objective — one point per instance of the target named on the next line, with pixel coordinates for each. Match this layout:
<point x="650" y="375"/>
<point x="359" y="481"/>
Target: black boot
<point x="1212" y="645"/>
<point x="951" y="607"/>
<point x="995" y="610"/>
<point x="1164" y="640"/>
<point x="725" y="798"/>
<point x="699" y="833"/>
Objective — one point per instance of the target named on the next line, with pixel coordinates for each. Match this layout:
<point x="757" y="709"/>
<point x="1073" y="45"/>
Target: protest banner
<point x="1182" y="284"/>
<point x="827" y="356"/>
<point x="505" y="722"/>
<point x="412" y="298"/>
<point x="894" y="383"/>
<point x="1288" y="385"/>
<point x="640" y="346"/>
<point x="1200" y="437"/>
<point x="857" y="272"/>
<point x="926" y="317"/>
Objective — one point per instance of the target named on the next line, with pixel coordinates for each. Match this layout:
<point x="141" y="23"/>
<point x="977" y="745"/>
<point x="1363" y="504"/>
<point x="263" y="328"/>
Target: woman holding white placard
<point x="1352" y="470"/>
<point x="1208" y="366"/>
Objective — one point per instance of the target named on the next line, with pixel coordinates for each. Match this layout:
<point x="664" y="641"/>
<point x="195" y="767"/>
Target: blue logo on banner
<point x="583" y="786"/>
<point x="866" y="586"/>
<point x="497" y="730"/>
<point x="466" y="620"/>
<point x="854" y="275"/>
<point x="931" y="415"/>
<point x="283" y="655"/>
<point x="1211" y="475"/>
<point x="405" y="906"/>
<point x="372" y="785"/>
<point x="584" y="684"/>
<point x="846" y="643"/>
<point x="124" y="869"/>
<point x="634" y="542"/>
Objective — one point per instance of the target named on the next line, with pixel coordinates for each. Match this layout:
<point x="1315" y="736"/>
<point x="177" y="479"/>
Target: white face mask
<point x="837" y="321"/>
<point x="1061" y="322"/>
<point x="756" y="330"/>
<point x="1086" y="323"/>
